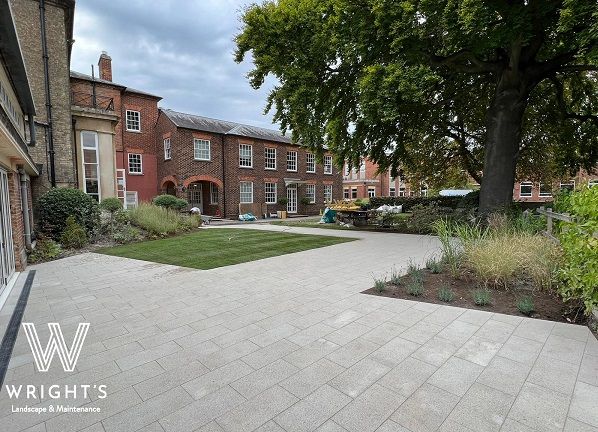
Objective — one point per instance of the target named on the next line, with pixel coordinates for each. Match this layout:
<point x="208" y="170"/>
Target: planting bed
<point x="548" y="305"/>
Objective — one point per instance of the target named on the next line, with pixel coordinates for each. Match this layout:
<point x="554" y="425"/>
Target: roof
<point x="206" y="124"/>
<point x="85" y="77"/>
<point x="10" y="50"/>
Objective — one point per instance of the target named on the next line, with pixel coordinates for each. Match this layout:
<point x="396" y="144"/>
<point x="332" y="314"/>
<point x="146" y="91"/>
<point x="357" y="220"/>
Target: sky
<point x="181" y="50"/>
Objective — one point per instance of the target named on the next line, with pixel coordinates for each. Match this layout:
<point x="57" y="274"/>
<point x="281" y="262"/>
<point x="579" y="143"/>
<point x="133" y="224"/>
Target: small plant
<point x="446" y="294"/>
<point x="283" y="201"/>
<point x="111" y="205"/>
<point x="415" y="287"/>
<point x="45" y="250"/>
<point x="127" y="234"/>
<point x="306" y="201"/>
<point x="481" y="297"/>
<point x="434" y="265"/>
<point x="73" y="236"/>
<point x="526" y="305"/>
<point x="380" y="285"/>
<point x="395" y="277"/>
<point x="415" y="273"/>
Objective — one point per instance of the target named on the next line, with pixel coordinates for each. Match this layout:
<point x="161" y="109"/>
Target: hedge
<point x="56" y="205"/>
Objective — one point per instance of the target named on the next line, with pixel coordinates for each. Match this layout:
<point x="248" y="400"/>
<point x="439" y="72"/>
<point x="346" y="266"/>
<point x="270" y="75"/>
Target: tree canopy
<point x="489" y="86"/>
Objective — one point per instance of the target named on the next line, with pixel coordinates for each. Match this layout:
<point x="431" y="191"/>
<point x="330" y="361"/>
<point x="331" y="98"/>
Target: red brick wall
<point x="16" y="214"/>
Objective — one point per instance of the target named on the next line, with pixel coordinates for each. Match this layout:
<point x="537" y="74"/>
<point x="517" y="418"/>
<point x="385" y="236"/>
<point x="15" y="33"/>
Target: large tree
<point x="488" y="84"/>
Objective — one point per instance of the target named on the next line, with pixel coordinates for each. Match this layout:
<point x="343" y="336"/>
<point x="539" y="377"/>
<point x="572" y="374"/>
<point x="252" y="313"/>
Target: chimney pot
<point x="105" y="66"/>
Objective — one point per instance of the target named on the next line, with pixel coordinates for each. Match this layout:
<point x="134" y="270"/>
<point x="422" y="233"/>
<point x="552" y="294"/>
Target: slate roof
<point x="206" y="124"/>
<point x="81" y="76"/>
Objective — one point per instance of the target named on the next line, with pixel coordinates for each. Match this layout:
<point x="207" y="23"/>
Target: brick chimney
<point x="105" y="66"/>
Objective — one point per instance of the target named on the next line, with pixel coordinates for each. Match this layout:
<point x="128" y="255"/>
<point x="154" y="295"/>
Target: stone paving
<point x="289" y="344"/>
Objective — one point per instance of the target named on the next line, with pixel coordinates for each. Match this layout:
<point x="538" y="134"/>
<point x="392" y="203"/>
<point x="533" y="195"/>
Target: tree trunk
<point x="504" y="123"/>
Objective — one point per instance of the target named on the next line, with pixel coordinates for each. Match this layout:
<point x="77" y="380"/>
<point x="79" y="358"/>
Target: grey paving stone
<point x="210" y="427"/>
<point x="369" y="410"/>
<point x="217" y="359"/>
<point x="202" y="411"/>
<point x="311" y="353"/>
<point x="212" y="381"/>
<point x="408" y="376"/>
<point x="331" y="426"/>
<point x="495" y="331"/>
<point x="258" y="381"/>
<point x="390" y="426"/>
<point x="521" y="350"/>
<point x="554" y="374"/>
<point x="479" y="351"/>
<point x="421" y="332"/>
<point x="274" y="335"/>
<point x="476" y="317"/>
<point x="310" y="334"/>
<point x="456" y="375"/>
<point x="584" y="406"/>
<point x="540" y="409"/>
<point x="562" y="348"/>
<point x="511" y="425"/>
<point x="444" y="315"/>
<point x="351" y="353"/>
<point x="269" y="354"/>
<point x="256" y="411"/>
<point x="426" y="409"/>
<point x="169" y="379"/>
<point x="573" y="425"/>
<point x="409" y="317"/>
<point x="436" y="351"/>
<point x="312" y="411"/>
<point x="309" y="379"/>
<point x="148" y="412"/>
<point x="238" y="335"/>
<point x="146" y="356"/>
<point x="348" y="333"/>
<point x="458" y="332"/>
<point x="359" y="377"/>
<point x="384" y="333"/>
<point x="570" y="331"/>
<point x="187" y="355"/>
<point x="482" y="409"/>
<point x="271" y="426"/>
<point x="394" y="352"/>
<point x="534" y="329"/>
<point x="202" y="336"/>
<point x="505" y="375"/>
<point x="588" y="372"/>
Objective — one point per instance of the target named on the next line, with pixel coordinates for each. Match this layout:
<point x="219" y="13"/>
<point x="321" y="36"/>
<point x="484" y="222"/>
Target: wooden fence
<point x="550" y="216"/>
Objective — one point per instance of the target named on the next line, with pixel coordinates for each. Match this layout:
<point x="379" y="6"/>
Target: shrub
<point x="181" y="204"/>
<point x="579" y="272"/>
<point x="111" y="205"/>
<point x="283" y="201"/>
<point x="446" y="294"/>
<point x="471" y="200"/>
<point x="56" y="205"/>
<point x="434" y="265"/>
<point x="45" y="250"/>
<point x="395" y="278"/>
<point x="525" y="305"/>
<point x="73" y="236"/>
<point x="127" y="234"/>
<point x="380" y="285"/>
<point x="306" y="201"/>
<point x="160" y="221"/>
<point x="170" y="202"/>
<point x="415" y="287"/>
<point x="451" y="249"/>
<point x="481" y="297"/>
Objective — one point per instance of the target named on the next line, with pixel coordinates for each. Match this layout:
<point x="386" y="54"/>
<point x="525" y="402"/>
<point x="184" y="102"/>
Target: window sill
<point x="246" y="167"/>
<point x="136" y="174"/>
<point x="270" y="169"/>
<point x="310" y="172"/>
<point x="291" y="170"/>
<point x="133" y="131"/>
<point x="202" y="160"/>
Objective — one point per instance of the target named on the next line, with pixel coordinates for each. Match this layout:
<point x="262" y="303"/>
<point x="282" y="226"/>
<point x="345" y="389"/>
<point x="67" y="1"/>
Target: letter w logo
<point x="56" y="344"/>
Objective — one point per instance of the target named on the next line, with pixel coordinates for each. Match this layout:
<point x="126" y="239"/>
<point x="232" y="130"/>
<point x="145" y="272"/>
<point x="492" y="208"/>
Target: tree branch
<point x="560" y="97"/>
<point x="464" y="61"/>
<point x="465" y="156"/>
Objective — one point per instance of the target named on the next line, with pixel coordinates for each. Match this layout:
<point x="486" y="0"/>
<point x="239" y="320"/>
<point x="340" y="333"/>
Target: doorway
<point x="292" y="198"/>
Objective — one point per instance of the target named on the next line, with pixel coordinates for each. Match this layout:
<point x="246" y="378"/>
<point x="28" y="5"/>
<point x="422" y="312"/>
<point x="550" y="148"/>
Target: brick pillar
<point x="105" y="66"/>
<point x="16" y="216"/>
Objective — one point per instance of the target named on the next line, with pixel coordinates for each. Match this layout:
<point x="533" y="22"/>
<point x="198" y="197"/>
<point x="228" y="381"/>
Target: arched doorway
<point x="169" y="188"/>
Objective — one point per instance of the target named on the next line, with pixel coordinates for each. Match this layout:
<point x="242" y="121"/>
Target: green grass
<point x="211" y="248"/>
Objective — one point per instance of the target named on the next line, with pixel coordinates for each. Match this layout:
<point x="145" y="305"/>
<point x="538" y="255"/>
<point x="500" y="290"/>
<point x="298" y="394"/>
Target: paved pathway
<point x="289" y="344"/>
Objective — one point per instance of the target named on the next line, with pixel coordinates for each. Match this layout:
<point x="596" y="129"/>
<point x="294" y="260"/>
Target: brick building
<point x="529" y="191"/>
<point x="365" y="181"/>
<point x="114" y="127"/>
<point x="17" y="110"/>
<point x="225" y="168"/>
<point x="45" y="30"/>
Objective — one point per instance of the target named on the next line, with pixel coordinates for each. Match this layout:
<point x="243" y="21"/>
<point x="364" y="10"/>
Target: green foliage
<point x="452" y="251"/>
<point x="482" y="297"/>
<point x="127" y="234"/>
<point x="160" y="221"/>
<point x="446" y="294"/>
<point x="414" y="272"/>
<point x="395" y="277"/>
<point x="46" y="249"/>
<point x="434" y="265"/>
<point x="283" y="201"/>
<point x="73" y="236"/>
<point x="111" y="205"/>
<point x="579" y="272"/>
<point x="415" y="287"/>
<point x="414" y="82"/>
<point x="526" y="305"/>
<point x="56" y="205"/>
<point x="380" y="285"/>
<point x="306" y="201"/>
<point x="170" y="202"/>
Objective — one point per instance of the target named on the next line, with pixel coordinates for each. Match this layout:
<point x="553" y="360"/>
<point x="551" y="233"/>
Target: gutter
<point x="49" y="130"/>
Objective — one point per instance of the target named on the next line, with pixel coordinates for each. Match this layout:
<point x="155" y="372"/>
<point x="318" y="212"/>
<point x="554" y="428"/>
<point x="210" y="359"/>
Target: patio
<point x="289" y="344"/>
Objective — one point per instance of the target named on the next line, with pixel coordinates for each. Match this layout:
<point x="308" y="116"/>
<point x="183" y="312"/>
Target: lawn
<point x="211" y="248"/>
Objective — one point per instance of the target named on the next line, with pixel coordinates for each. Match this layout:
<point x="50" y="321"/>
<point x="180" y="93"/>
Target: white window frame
<point x="328" y="164"/>
<point x="214" y="195"/>
<point x="241" y="192"/>
<point x="327" y="193"/>
<point x="140" y="172"/>
<point x="310" y="163"/>
<point x="353" y="195"/>
<point x="569" y="183"/>
<point x="242" y="158"/>
<point x="392" y="191"/>
<point x="402" y="191"/>
<point x="268" y="159"/>
<point x="346" y="193"/>
<point x="198" y="152"/>
<point x="310" y="193"/>
<point x="292" y="160"/>
<point x="167" y="149"/>
<point x="96" y="147"/>
<point x="371" y="191"/>
<point x="544" y="194"/>
<point x="133" y="124"/>
<point x="593" y="183"/>
<point x="135" y="201"/>
<point x="271" y="192"/>
<point x="423" y="191"/>
<point x="526" y="184"/>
